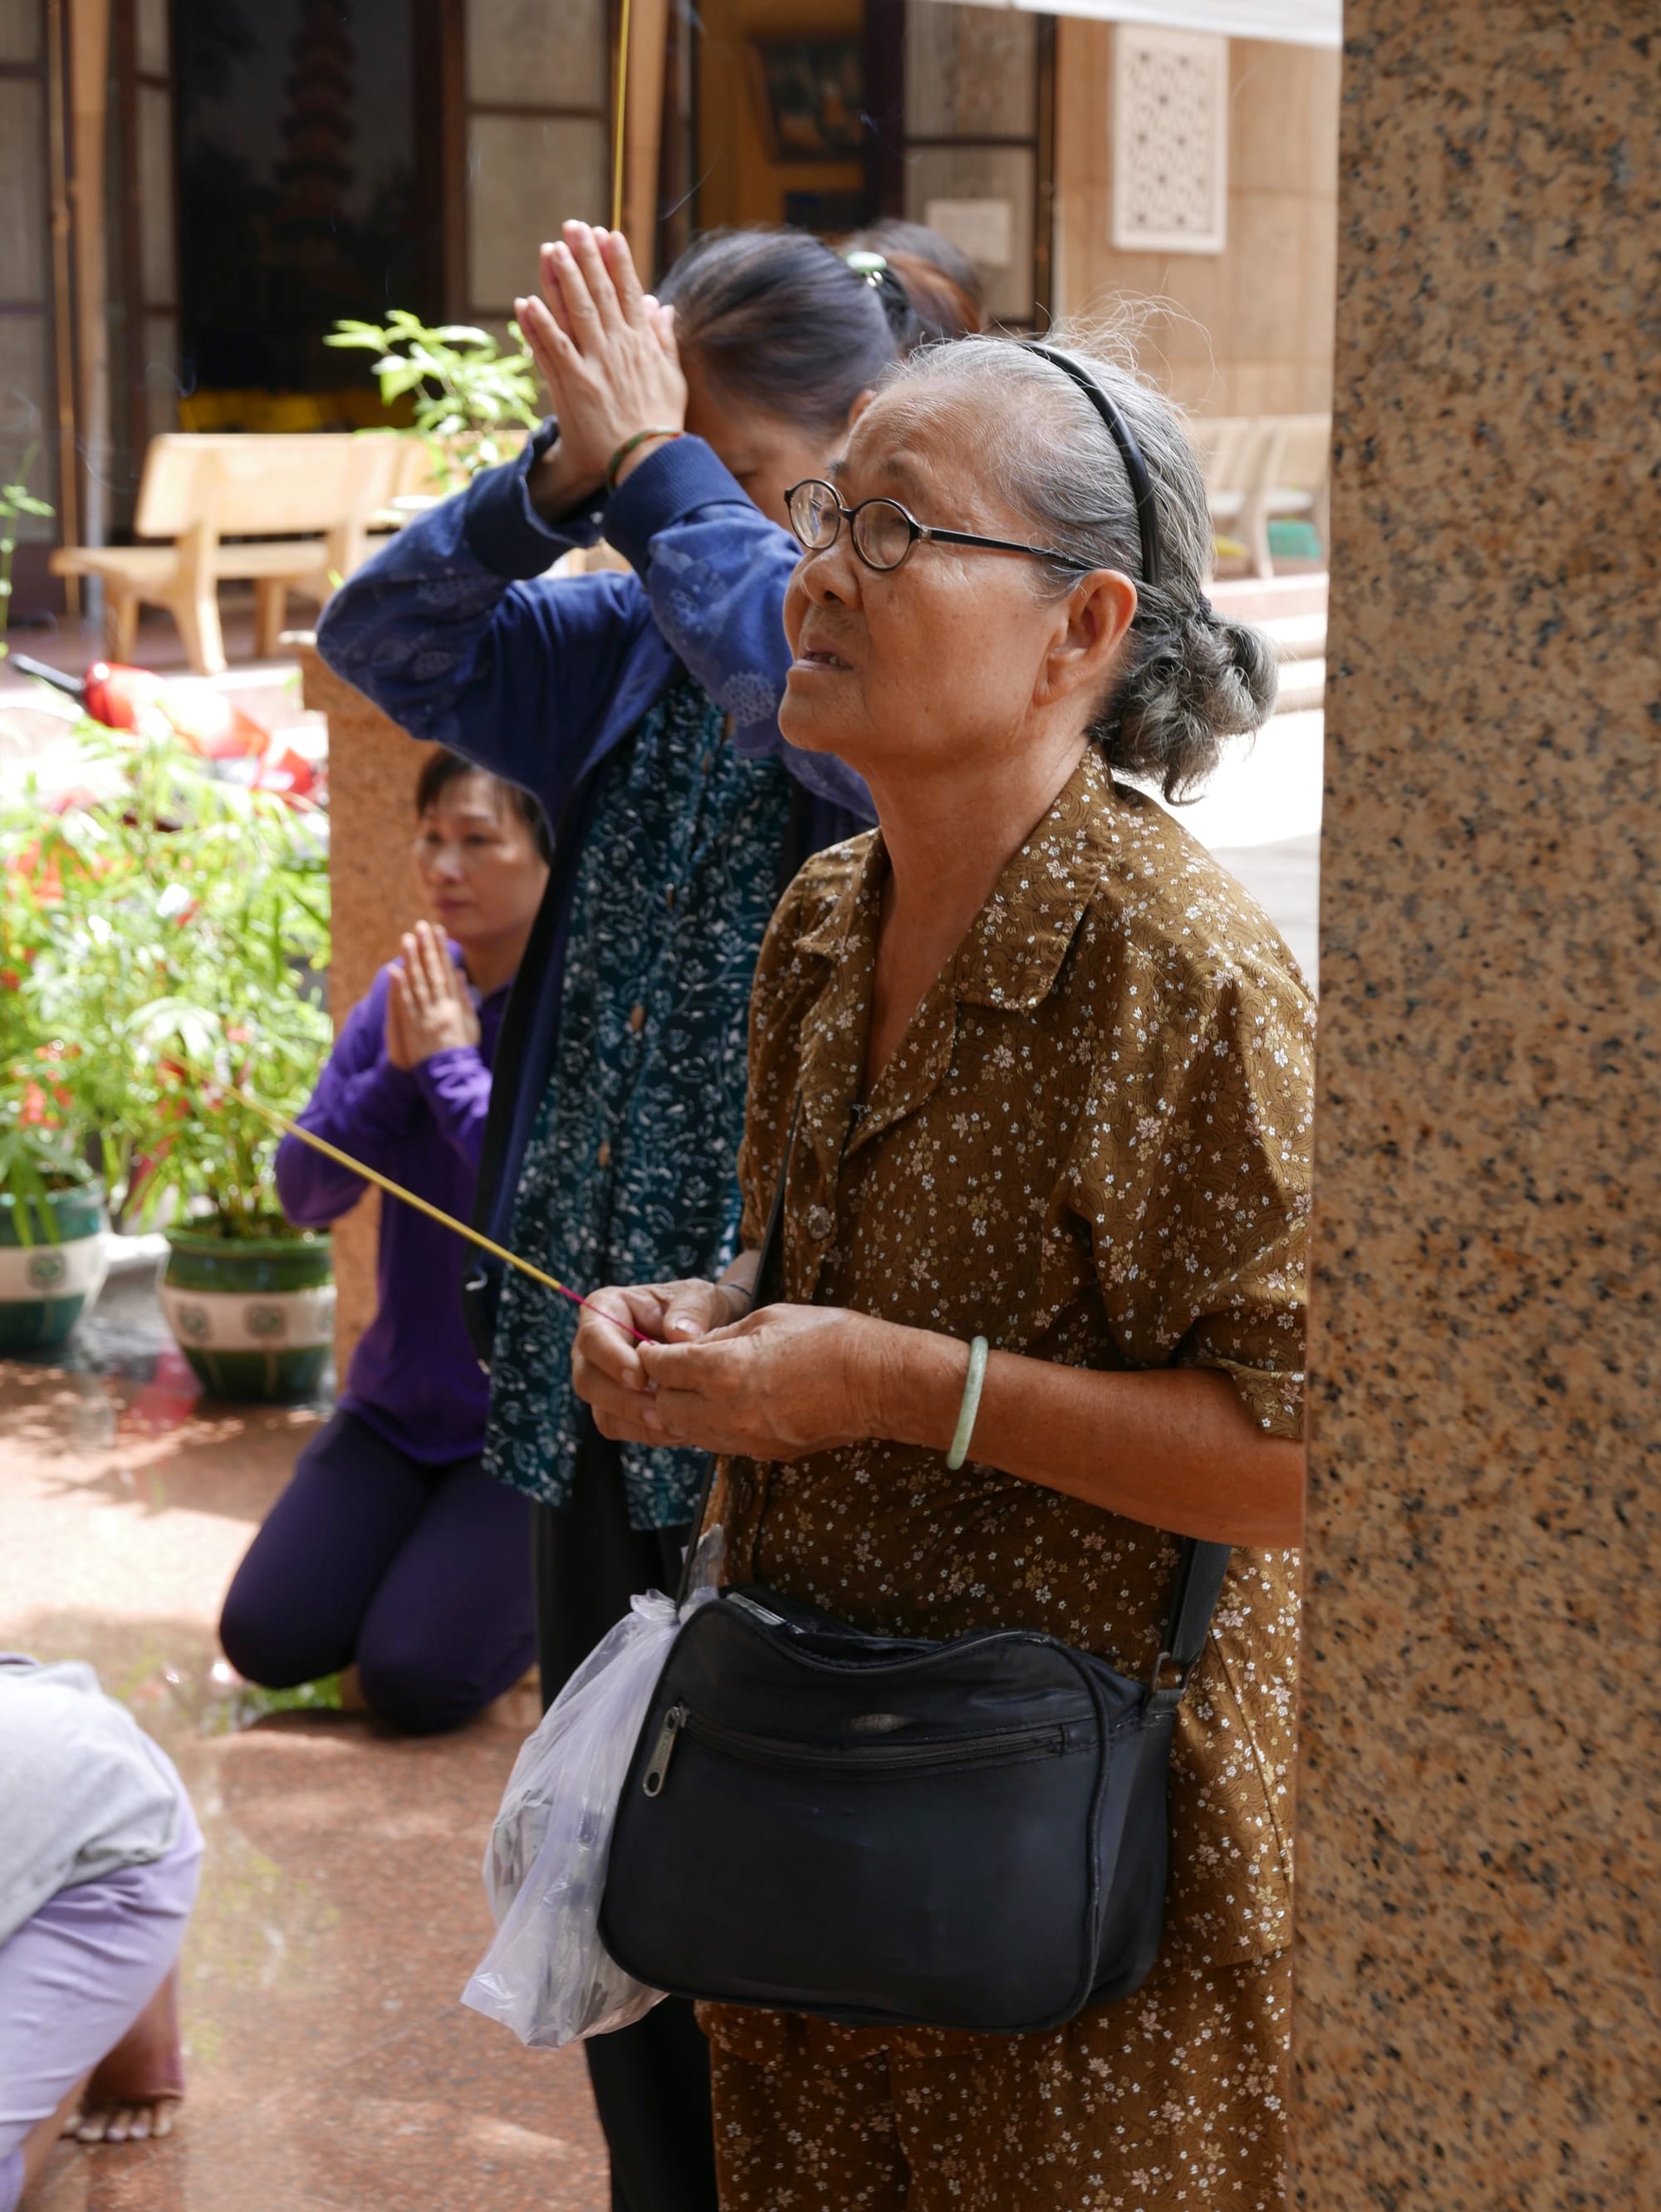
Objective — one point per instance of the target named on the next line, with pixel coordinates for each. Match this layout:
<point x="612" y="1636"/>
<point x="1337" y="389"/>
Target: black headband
<point x="1141" y="484"/>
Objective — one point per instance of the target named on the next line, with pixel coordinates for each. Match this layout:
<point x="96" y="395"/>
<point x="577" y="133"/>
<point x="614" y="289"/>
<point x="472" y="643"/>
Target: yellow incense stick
<point x="623" y="112"/>
<point x="422" y="1206"/>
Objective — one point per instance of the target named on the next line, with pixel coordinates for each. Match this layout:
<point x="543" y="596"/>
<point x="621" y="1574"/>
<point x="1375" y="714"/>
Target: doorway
<point x="303" y="199"/>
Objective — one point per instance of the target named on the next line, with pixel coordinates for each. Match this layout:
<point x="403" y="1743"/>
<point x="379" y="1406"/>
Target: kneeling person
<point x="391" y="1553"/>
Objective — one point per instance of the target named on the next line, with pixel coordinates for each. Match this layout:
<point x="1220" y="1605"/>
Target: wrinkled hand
<point x="428" y="1007"/>
<point x="606" y="1371"/>
<point x="607" y="352"/>
<point x="776" y="1385"/>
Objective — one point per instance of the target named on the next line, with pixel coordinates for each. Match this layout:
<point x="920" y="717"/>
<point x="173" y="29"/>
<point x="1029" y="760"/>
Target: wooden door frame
<point x="446" y="49"/>
<point x="888" y="142"/>
<point x="52" y="314"/>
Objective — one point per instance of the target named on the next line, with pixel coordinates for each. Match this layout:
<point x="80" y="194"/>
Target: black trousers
<point x="652" y="2080"/>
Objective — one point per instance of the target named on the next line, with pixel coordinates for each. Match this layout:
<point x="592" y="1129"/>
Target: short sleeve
<point x="1192" y="1172"/>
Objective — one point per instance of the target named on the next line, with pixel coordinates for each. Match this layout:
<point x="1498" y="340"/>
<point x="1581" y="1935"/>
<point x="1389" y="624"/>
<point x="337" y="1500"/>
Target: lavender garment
<point x="415" y="1378"/>
<point x="77" y="1973"/>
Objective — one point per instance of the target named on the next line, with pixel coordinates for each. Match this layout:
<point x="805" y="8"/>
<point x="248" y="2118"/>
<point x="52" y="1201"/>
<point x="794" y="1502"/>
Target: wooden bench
<point x="1261" y="469"/>
<point x="286" y="513"/>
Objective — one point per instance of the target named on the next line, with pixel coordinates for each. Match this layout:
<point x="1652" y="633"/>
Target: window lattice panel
<point x="1170" y="140"/>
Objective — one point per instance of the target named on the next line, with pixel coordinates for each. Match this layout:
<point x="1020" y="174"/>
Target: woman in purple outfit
<point x="391" y="1555"/>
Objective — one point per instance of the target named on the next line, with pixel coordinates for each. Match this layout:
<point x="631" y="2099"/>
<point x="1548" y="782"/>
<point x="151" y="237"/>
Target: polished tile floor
<point x="331" y="2065"/>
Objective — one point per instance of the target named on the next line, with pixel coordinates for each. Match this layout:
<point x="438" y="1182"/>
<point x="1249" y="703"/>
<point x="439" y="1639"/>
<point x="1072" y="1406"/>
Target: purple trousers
<point x="420" y="1575"/>
<point x="74" y="1978"/>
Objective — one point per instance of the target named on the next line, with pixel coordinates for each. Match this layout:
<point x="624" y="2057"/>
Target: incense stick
<point x="422" y="1206"/>
<point x="623" y="119"/>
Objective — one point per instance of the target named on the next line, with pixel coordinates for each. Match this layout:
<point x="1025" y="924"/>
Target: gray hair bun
<point x="1193" y="681"/>
<point x="1191" y="678"/>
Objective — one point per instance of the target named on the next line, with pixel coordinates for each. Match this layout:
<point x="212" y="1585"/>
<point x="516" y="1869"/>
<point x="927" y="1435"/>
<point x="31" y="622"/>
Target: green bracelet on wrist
<point x="966" y="1419"/>
<point x="629" y="446"/>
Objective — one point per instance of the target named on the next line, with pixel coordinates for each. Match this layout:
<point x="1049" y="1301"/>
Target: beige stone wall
<point x="372" y="767"/>
<point x="1479" y="1858"/>
<point x="1248" y="331"/>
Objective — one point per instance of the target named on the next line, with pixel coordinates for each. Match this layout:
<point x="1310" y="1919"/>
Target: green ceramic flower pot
<point x="255" y="1320"/>
<point x="45" y="1288"/>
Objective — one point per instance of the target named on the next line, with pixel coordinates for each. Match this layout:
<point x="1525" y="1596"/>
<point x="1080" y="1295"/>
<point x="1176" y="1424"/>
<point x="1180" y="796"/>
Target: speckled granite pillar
<point x="372" y="767"/>
<point x="1480" y="1850"/>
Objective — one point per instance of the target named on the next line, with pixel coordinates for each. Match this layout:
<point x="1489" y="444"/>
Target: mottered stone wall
<point x="1479" y="1851"/>
<point x="372" y="768"/>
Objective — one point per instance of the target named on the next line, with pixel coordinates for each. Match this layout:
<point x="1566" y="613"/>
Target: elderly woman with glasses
<point x="1049" y="1070"/>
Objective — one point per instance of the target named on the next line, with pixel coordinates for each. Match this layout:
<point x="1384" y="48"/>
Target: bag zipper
<point x="664" y="1750"/>
<point x="1048" y="1739"/>
<point x="757" y="1612"/>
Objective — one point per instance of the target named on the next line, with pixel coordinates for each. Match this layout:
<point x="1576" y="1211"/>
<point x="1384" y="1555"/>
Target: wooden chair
<point x="1237" y="456"/>
<point x="289" y="513"/>
<point x="1263" y="468"/>
<point x="1301" y="488"/>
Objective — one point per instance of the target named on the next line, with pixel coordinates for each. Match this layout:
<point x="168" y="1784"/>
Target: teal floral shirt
<point x="629" y="1176"/>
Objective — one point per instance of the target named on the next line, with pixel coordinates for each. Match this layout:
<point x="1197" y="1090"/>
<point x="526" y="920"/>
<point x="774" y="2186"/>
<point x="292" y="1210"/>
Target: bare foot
<point x="132" y="2094"/>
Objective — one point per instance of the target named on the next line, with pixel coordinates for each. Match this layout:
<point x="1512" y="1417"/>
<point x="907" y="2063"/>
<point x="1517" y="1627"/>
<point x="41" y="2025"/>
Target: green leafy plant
<point x="161" y="941"/>
<point x="38" y="1166"/>
<point x="473" y="398"/>
<point x="16" y="501"/>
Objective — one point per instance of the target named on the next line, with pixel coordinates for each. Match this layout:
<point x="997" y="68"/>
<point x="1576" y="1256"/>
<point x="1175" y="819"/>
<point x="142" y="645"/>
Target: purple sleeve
<point x="364" y="1104"/>
<point x="455" y="1084"/>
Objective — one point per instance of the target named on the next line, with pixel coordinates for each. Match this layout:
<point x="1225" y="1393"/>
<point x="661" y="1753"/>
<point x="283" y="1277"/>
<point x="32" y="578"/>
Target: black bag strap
<point x="1200" y="1571"/>
<point x="769" y="1281"/>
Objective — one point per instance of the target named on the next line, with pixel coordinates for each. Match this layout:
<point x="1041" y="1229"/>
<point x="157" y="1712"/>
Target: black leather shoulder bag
<point x="895" y="1831"/>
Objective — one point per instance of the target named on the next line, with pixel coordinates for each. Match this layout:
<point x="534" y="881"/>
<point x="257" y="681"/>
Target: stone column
<point x="1479" y="1855"/>
<point x="372" y="767"/>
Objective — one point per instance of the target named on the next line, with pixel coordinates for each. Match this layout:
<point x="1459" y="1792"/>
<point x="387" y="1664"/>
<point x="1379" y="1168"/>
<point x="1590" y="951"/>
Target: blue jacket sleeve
<point x="715" y="570"/>
<point x="364" y="1104"/>
<point x="457" y="632"/>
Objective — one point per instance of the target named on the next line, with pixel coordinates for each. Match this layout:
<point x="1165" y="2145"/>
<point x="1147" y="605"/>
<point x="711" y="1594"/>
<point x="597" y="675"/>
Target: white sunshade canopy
<point x="1293" y="23"/>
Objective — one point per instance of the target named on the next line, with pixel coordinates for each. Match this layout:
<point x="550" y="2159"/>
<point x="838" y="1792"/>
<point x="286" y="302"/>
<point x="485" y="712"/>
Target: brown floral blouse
<point x="1092" y="1146"/>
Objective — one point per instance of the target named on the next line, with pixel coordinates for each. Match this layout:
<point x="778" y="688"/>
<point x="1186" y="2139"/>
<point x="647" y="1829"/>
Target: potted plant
<point x="474" y="400"/>
<point x="172" y="930"/>
<point x="52" y="1221"/>
<point x="54" y="1250"/>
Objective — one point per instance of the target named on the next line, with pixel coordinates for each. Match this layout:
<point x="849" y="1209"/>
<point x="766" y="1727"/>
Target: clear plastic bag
<point x="547" y="1975"/>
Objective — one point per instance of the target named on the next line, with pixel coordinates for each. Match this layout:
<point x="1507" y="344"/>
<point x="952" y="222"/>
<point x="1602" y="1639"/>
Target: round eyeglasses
<point x="883" y="532"/>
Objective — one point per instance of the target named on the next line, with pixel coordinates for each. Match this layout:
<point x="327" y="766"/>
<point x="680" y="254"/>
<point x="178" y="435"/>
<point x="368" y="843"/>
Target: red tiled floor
<point x="72" y="645"/>
<point x="330" y="2064"/>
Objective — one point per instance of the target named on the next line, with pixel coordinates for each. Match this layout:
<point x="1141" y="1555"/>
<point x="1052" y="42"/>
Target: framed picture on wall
<point x="809" y="92"/>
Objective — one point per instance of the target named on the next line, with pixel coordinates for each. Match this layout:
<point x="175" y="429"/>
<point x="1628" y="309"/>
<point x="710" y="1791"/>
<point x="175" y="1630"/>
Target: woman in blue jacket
<point x="641" y="708"/>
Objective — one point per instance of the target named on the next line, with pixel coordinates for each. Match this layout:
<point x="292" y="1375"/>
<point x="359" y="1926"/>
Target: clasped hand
<point x="773" y="1385"/>
<point x="429" y="1007"/>
<point x="607" y="352"/>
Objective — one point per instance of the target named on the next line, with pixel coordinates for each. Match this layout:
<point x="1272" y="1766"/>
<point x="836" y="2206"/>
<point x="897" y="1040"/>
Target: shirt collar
<point x="1015" y="945"/>
<point x="829" y="937"/>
